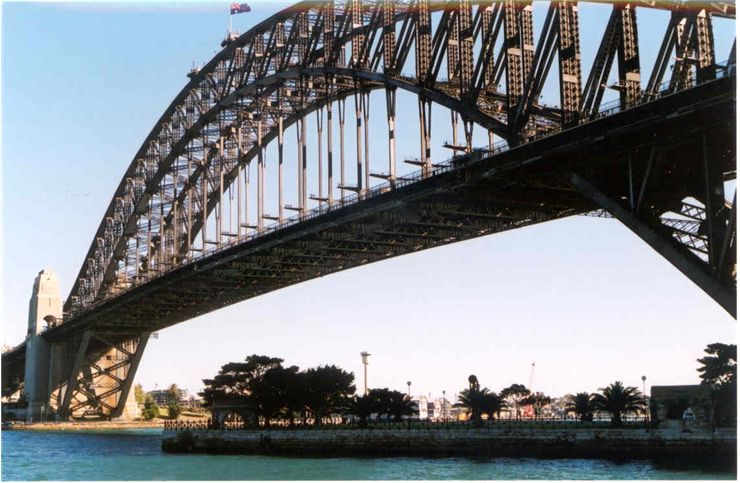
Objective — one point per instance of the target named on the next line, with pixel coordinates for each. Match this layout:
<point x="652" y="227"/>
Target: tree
<point x="515" y="394"/>
<point x="492" y="404"/>
<point x="296" y="393"/>
<point x="233" y="379"/>
<point x="381" y="398"/>
<point x="719" y="367"/>
<point x="538" y="401"/>
<point x="719" y="371"/>
<point x="617" y="400"/>
<point x="173" y="401"/>
<point x="581" y="404"/>
<point x="327" y="388"/>
<point x="139" y="394"/>
<point x="399" y="405"/>
<point x="362" y="407"/>
<point x="473" y="399"/>
<point x="151" y="410"/>
<point x="269" y="393"/>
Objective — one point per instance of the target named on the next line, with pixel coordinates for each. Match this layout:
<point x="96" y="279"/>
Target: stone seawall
<point x="554" y="443"/>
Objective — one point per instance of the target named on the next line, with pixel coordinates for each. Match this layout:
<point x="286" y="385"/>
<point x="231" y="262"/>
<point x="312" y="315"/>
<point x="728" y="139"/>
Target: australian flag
<point x="239" y="8"/>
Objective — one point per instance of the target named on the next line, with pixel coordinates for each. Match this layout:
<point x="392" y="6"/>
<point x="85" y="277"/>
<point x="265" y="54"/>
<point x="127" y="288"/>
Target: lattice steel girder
<point x="569" y="53"/>
<point x="514" y="56"/>
<point x="423" y="21"/>
<point x="629" y="56"/>
<point x="465" y="47"/>
<point x="535" y="80"/>
<point x="389" y="37"/>
<point x="100" y="380"/>
<point x="490" y="23"/>
<point x="258" y="56"/>
<point x="364" y="77"/>
<point x="358" y="35"/>
<point x="706" y="63"/>
<point x="690" y="32"/>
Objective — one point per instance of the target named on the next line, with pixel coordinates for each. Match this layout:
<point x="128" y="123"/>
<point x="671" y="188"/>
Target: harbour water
<point x="136" y="455"/>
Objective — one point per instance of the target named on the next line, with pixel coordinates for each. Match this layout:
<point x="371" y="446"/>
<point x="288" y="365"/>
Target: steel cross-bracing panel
<point x="100" y="375"/>
<point x="201" y="186"/>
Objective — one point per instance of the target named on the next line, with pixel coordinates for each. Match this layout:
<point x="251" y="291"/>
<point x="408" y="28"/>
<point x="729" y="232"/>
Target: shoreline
<point x="84" y="425"/>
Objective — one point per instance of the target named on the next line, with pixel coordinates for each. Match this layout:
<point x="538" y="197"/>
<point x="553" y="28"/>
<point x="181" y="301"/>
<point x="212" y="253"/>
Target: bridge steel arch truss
<point x="204" y="162"/>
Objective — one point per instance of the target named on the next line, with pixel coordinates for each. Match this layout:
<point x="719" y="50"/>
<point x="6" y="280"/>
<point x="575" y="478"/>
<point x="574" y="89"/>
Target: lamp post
<point x="644" y="398"/>
<point x="408" y="383"/>
<point x="364" y="356"/>
<point x="444" y="406"/>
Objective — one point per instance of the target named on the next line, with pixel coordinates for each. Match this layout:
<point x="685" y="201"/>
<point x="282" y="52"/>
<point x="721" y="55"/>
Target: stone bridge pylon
<point x="71" y="379"/>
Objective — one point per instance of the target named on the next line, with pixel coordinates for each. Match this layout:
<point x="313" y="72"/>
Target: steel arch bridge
<point x="187" y="230"/>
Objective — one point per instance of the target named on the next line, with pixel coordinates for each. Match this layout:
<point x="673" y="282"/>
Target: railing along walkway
<point x="632" y="422"/>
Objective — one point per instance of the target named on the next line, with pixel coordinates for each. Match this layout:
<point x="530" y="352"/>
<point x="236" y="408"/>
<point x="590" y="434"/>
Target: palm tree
<point x="492" y="404"/>
<point x="362" y="407"/>
<point x="617" y="399"/>
<point x="400" y="405"/>
<point x="582" y="404"/>
<point x="474" y="400"/>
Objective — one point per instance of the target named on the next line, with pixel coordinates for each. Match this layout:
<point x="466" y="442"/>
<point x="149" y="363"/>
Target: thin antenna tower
<point x="531" y="379"/>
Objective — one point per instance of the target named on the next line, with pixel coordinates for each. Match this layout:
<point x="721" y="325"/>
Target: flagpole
<point x="230" y="17"/>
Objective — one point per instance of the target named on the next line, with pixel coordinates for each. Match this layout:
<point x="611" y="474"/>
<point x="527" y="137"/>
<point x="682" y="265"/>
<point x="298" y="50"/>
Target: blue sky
<point x="583" y="298"/>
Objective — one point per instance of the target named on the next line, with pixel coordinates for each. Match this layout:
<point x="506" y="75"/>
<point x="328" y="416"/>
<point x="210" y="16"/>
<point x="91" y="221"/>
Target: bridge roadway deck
<point x="515" y="188"/>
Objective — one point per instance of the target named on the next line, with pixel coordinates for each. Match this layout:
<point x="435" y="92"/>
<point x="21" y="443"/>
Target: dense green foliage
<point x="139" y="394"/>
<point x="151" y="410"/>
<point x="538" y="401"/>
<point x="515" y="395"/>
<point x="617" y="400"/>
<point x="271" y="391"/>
<point x="479" y="401"/>
<point x="719" y="371"/>
<point x="382" y="402"/>
<point x="492" y="405"/>
<point x="581" y="404"/>
<point x="173" y="402"/>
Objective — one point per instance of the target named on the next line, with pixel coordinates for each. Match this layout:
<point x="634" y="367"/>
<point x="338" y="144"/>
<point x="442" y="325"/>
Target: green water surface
<point x="136" y="455"/>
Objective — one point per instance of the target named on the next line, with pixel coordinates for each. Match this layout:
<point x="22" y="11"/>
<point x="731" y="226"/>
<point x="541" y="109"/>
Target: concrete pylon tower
<point x="44" y="311"/>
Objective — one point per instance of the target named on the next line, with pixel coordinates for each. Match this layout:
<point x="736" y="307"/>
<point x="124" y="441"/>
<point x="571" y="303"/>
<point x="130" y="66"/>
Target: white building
<point x="422" y="406"/>
<point x="442" y="410"/>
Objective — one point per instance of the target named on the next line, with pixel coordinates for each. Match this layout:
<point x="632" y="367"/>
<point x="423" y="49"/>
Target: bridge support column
<point x="101" y="375"/>
<point x="44" y="310"/>
<point x="662" y="241"/>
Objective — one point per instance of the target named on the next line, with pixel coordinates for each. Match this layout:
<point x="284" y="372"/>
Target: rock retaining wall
<point x="576" y="443"/>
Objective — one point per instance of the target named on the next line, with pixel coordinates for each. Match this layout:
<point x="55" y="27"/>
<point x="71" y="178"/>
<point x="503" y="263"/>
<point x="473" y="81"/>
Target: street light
<point x="644" y="398"/>
<point x="364" y="356"/>
<point x="408" y="383"/>
<point x="444" y="406"/>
